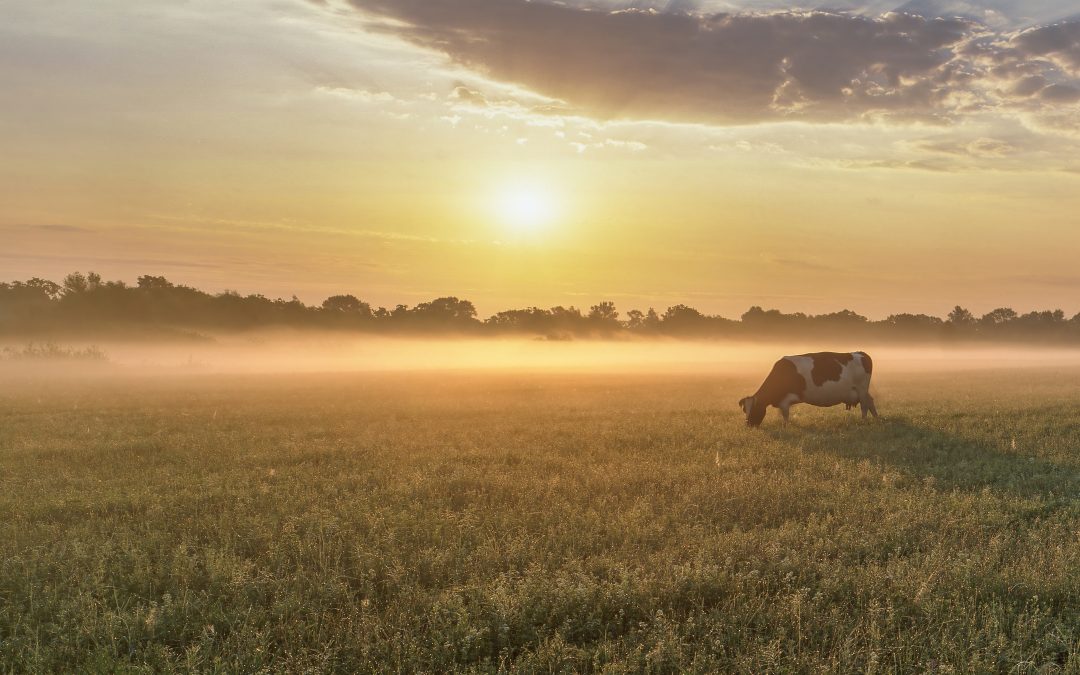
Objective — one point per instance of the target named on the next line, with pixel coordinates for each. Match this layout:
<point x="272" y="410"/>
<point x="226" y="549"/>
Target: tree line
<point x="85" y="303"/>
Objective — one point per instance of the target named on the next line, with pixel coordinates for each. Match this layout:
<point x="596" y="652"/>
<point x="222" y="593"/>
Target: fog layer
<point x="285" y="353"/>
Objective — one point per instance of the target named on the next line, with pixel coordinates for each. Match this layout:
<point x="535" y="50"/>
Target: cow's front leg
<point x="784" y="410"/>
<point x="866" y="403"/>
<point x="870" y="405"/>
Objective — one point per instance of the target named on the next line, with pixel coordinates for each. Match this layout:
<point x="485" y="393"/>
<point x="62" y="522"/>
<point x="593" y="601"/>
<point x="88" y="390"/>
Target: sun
<point x="526" y="209"/>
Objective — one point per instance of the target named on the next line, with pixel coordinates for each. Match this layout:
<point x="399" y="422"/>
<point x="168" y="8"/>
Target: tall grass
<point x="537" y="524"/>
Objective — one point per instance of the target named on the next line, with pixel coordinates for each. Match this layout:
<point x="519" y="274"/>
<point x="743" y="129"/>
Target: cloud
<point x="1053" y="280"/>
<point x="1059" y="42"/>
<point x="1060" y="93"/>
<point x="467" y="94"/>
<point x="980" y="147"/>
<point x="716" y="68"/>
<point x="804" y="265"/>
<point x="67" y="229"/>
<point x="744" y="67"/>
<point x="359" y="95"/>
<point x="107" y="260"/>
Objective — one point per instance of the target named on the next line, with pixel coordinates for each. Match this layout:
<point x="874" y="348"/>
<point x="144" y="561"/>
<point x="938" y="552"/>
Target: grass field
<point x="537" y="523"/>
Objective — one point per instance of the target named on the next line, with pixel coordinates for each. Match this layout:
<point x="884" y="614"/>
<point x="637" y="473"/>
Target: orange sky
<point x="532" y="154"/>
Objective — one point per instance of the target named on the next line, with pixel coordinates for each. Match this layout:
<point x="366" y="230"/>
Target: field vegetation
<point x="454" y="521"/>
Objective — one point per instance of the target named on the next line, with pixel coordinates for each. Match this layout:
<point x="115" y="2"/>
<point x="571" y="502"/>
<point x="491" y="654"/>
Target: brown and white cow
<point x="822" y="379"/>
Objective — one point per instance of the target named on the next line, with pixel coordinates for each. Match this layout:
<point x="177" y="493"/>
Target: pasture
<point x="448" y="521"/>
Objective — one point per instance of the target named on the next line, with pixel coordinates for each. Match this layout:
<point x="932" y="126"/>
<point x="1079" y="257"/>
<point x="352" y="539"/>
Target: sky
<point x="872" y="156"/>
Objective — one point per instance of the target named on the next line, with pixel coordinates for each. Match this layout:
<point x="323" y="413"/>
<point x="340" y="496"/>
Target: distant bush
<point x="49" y="351"/>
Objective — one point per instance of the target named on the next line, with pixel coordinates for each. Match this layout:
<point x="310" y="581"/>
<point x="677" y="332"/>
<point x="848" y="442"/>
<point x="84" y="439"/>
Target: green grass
<point x="537" y="524"/>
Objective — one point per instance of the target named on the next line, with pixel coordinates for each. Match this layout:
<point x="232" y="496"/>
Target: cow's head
<point x="754" y="410"/>
<point x="747" y="404"/>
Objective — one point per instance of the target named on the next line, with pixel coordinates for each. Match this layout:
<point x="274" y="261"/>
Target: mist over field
<point x="307" y="352"/>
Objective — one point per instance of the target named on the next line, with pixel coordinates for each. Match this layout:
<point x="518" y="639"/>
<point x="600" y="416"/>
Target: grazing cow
<point x="823" y="379"/>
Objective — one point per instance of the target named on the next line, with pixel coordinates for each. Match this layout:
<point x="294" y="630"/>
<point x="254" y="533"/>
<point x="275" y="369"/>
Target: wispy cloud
<point x="804" y="265"/>
<point x="979" y="147"/>
<point x="192" y="222"/>
<point x="65" y="229"/>
<point x="110" y="260"/>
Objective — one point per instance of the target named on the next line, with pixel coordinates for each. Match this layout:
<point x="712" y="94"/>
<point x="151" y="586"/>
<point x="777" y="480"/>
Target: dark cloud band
<point x="732" y="68"/>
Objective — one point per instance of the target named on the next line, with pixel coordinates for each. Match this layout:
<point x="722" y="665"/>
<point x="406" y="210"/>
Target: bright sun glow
<point x="526" y="209"/>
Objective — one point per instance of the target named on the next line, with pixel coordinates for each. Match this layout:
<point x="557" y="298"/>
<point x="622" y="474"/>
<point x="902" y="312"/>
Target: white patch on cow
<point x="852" y="386"/>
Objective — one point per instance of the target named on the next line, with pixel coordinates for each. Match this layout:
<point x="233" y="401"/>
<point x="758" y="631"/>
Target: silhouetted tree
<point x="347" y="304"/>
<point x="913" y="321"/>
<point x="567" y="318"/>
<point x="23" y="303"/>
<point x="961" y="317"/>
<point x="1042" y="319"/>
<point x="151" y="283"/>
<point x="76" y="282"/>
<point x="87" y="302"/>
<point x="756" y="314"/>
<point x="531" y="320"/>
<point x="49" y="289"/>
<point x="844" y="316"/>
<point x="681" y="313"/>
<point x="605" y="312"/>
<point x="447" y="310"/>
<point x="997" y="317"/>
<point x="683" y="320"/>
<point x="604" y="317"/>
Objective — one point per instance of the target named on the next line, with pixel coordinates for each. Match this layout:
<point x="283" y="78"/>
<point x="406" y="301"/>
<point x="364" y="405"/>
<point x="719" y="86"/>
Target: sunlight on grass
<point x="536" y="523"/>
